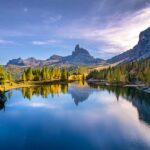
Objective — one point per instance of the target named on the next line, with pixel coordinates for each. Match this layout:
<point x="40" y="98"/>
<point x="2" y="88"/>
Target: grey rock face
<point x="80" y="56"/>
<point x="31" y="62"/>
<point x="24" y="62"/>
<point x="80" y="51"/>
<point x="55" y="57"/>
<point x="141" y="50"/>
<point x="17" y="61"/>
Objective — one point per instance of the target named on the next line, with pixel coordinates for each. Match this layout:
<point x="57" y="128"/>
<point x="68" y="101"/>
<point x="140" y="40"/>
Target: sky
<point x="41" y="28"/>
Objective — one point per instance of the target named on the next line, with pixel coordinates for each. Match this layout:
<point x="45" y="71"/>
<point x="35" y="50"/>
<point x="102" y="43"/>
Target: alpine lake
<point x="76" y="116"/>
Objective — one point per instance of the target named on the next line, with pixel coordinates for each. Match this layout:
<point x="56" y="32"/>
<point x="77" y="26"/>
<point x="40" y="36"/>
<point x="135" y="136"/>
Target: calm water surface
<point x="75" y="117"/>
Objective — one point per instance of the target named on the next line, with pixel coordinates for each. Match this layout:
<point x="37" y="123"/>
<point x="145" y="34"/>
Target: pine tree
<point x="43" y="74"/>
<point x="64" y="75"/>
<point x="3" y="75"/>
<point x="83" y="77"/>
<point x="29" y="74"/>
<point x="127" y="72"/>
<point x="24" y="77"/>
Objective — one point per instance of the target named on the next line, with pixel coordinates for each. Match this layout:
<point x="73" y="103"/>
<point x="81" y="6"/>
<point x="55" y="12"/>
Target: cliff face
<point x="80" y="51"/>
<point x="17" y="61"/>
<point x="81" y="56"/>
<point x="141" y="50"/>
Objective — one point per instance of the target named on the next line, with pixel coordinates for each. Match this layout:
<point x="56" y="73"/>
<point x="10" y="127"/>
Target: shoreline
<point x="140" y="86"/>
<point x="16" y="85"/>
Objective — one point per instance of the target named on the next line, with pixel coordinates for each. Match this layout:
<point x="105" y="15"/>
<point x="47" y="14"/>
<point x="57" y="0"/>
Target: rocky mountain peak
<point x="80" y="56"/>
<point x="77" y="47"/>
<point x="141" y="50"/>
<point x="30" y="59"/>
<point x="54" y="57"/>
<point x="144" y="39"/>
<point x="17" y="61"/>
<point x="80" y="51"/>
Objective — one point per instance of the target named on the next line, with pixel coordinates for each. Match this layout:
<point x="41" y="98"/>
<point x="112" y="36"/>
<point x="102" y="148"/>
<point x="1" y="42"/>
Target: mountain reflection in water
<point x="139" y="99"/>
<point x="81" y="92"/>
<point x="75" y="116"/>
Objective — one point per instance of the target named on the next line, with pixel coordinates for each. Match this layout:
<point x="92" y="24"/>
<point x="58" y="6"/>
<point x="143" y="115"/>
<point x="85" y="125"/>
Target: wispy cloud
<point x="124" y="34"/>
<point x="117" y="36"/>
<point x="6" y="42"/>
<point x="45" y="42"/>
<point x="52" y="19"/>
<point x="101" y="26"/>
<point x="25" y="9"/>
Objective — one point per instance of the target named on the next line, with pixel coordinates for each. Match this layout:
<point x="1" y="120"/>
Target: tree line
<point x="128" y="93"/>
<point x="137" y="71"/>
<point x="37" y="74"/>
<point x="42" y="74"/>
<point x="5" y="76"/>
<point x="44" y="91"/>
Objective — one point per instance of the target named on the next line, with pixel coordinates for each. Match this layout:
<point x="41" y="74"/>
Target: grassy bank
<point x="15" y="85"/>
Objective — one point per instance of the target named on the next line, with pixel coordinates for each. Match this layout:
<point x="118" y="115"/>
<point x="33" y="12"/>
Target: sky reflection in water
<point x="75" y="117"/>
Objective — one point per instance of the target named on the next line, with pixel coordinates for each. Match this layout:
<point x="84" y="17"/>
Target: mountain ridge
<point x="139" y="51"/>
<point x="79" y="56"/>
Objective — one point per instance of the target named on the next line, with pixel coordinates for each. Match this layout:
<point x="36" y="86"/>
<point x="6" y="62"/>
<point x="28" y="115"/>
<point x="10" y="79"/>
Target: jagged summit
<point x="31" y="61"/>
<point x="80" y="56"/>
<point x="18" y="61"/>
<point x="55" y="57"/>
<point x="144" y="41"/>
<point x="80" y="51"/>
<point x="141" y="50"/>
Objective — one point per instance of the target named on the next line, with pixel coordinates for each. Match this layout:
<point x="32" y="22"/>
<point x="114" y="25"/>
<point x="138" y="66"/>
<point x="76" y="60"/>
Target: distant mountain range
<point x="80" y="56"/>
<point x="141" y="50"/>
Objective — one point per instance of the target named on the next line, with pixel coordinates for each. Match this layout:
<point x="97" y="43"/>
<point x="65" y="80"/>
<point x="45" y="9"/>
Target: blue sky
<point x="40" y="28"/>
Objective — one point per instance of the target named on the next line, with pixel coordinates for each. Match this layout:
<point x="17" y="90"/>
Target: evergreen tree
<point x="126" y="72"/>
<point x="29" y="74"/>
<point x="64" y="75"/>
<point x="83" y="77"/>
<point x="5" y="76"/>
<point x="24" y="77"/>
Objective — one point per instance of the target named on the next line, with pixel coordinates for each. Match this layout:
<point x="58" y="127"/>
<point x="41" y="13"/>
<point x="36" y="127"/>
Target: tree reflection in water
<point x="3" y="99"/>
<point x="44" y="91"/>
<point x="80" y="92"/>
<point x="139" y="99"/>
